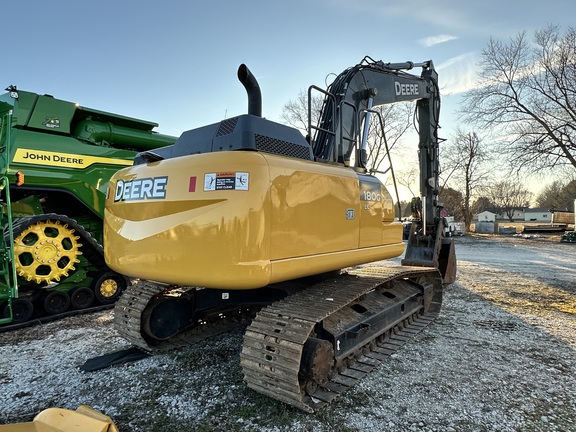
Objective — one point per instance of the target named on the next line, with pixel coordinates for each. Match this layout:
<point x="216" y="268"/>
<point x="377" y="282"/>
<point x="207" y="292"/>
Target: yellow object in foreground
<point x="84" y="419"/>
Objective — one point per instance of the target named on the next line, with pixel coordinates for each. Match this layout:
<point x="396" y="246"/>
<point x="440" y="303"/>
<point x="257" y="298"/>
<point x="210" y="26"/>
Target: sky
<point x="174" y="62"/>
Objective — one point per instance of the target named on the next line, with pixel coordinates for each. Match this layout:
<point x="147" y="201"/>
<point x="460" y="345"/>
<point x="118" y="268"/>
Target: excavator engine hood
<point x="245" y="132"/>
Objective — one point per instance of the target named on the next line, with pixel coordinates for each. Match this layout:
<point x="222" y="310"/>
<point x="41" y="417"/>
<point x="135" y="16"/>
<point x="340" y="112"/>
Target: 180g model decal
<point x="141" y="189"/>
<point x="371" y="197"/>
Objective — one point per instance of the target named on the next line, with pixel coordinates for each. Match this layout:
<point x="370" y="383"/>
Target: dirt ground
<point x="501" y="357"/>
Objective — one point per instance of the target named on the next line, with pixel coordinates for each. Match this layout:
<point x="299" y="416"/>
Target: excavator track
<point x="90" y="249"/>
<point x="129" y="312"/>
<point x="274" y="343"/>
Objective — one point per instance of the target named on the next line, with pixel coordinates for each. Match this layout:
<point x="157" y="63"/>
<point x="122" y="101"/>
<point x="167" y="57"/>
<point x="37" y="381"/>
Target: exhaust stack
<point x="253" y="90"/>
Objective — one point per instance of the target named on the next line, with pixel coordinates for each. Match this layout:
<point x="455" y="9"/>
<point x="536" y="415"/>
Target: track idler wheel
<point x="82" y="298"/>
<point x="317" y="363"/>
<point x="166" y="316"/>
<point x="22" y="310"/>
<point x="56" y="302"/>
<point x="108" y="287"/>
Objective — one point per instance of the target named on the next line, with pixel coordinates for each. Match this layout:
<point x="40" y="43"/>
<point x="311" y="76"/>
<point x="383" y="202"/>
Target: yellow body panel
<point x="84" y="419"/>
<point x="238" y="220"/>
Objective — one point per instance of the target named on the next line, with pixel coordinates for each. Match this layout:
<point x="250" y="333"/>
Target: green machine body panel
<point x="57" y="159"/>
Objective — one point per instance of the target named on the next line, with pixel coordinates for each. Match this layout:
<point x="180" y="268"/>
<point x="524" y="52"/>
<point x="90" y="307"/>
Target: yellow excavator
<point x="247" y="219"/>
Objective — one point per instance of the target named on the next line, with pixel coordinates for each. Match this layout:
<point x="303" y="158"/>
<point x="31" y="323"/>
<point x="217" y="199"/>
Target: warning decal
<point x="226" y="181"/>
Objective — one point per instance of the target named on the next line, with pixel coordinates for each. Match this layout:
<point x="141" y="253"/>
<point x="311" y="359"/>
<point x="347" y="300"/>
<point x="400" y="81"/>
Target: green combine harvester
<point x="56" y="159"/>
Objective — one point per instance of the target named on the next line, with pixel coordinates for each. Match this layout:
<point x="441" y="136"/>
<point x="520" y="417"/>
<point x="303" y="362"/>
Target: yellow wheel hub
<point x="46" y="251"/>
<point x="108" y="288"/>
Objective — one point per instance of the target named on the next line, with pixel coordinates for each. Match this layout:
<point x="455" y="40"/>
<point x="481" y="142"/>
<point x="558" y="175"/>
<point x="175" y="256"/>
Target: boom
<point x="348" y="105"/>
<point x="341" y="137"/>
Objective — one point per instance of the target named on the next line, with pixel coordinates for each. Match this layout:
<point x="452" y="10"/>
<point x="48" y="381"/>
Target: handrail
<point x="7" y="250"/>
<point x="391" y="166"/>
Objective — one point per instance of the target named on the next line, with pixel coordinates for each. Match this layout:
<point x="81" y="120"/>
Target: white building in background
<point x="537" y="215"/>
<point x="517" y="215"/>
<point x="486" y="216"/>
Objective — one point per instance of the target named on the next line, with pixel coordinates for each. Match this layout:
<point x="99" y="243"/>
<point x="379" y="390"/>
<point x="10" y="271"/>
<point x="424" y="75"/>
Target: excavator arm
<point x="342" y="132"/>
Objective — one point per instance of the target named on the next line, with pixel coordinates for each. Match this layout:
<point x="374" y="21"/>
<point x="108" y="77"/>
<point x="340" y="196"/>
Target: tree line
<point x="524" y="102"/>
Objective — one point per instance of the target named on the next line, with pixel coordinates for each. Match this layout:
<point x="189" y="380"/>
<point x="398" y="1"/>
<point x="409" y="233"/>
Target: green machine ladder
<point x="8" y="285"/>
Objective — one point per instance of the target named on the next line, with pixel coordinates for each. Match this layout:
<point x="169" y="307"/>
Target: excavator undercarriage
<point x="308" y="347"/>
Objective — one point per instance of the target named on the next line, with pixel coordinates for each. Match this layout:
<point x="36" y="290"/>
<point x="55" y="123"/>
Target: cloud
<point x="435" y="40"/>
<point x="458" y="74"/>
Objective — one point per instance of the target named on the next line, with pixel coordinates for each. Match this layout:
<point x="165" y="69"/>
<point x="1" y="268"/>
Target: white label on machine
<point x="226" y="181"/>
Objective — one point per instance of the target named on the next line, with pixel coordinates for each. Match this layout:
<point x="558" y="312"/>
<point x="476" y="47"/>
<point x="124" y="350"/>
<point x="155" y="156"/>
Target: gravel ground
<point x="501" y="357"/>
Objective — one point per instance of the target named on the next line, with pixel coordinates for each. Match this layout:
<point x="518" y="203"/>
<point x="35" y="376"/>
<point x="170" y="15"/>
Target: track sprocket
<point x="46" y="251"/>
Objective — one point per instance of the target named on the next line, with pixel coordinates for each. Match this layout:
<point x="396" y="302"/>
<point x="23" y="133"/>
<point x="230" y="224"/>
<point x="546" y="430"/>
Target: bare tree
<point x="569" y="195"/>
<point x="481" y="204"/>
<point x="550" y="195"/>
<point x="396" y="121"/>
<point x="452" y="200"/>
<point x="509" y="196"/>
<point x="295" y="112"/>
<point x="465" y="158"/>
<point x="526" y="92"/>
<point x="408" y="178"/>
<point x="558" y="195"/>
<point x="405" y="209"/>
